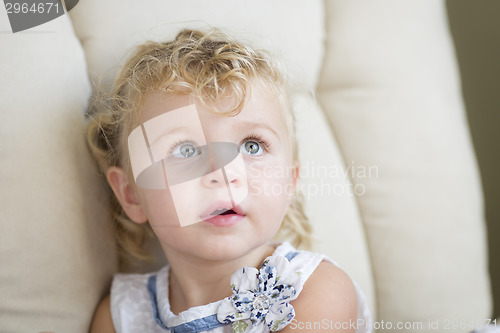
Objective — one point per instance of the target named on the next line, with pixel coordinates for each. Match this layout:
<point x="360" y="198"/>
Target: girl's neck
<point x="199" y="282"/>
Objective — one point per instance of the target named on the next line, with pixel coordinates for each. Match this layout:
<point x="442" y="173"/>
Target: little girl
<point x="197" y="143"/>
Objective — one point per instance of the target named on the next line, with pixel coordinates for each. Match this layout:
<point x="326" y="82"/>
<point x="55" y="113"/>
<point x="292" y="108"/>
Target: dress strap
<point x="196" y="325"/>
<point x="302" y="262"/>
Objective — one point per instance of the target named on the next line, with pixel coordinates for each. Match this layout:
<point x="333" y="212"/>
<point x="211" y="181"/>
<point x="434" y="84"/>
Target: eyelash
<point x="259" y="139"/>
<point x="253" y="137"/>
<point x="177" y="144"/>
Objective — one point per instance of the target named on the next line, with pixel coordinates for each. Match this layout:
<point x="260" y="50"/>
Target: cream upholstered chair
<point x="389" y="171"/>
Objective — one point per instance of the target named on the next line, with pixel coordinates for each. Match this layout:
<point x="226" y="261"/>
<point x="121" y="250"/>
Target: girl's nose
<point x="228" y="166"/>
<point x="229" y="175"/>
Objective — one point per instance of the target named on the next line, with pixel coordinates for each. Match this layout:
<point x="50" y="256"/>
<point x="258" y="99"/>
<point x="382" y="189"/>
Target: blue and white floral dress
<point x="260" y="301"/>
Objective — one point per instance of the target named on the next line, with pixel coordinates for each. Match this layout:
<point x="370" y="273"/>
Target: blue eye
<point x="185" y="150"/>
<point x="251" y="147"/>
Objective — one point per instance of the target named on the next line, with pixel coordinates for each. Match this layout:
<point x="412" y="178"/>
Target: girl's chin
<point x="223" y="250"/>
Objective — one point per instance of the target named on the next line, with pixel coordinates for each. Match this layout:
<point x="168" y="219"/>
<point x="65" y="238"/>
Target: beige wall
<point x="475" y="26"/>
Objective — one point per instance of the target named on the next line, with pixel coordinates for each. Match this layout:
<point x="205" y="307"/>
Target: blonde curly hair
<point x="207" y="65"/>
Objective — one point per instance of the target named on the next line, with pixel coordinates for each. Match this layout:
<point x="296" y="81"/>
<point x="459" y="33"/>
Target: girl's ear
<point x="125" y="193"/>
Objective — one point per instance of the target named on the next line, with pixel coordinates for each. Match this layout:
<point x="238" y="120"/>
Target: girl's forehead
<point x="157" y="103"/>
<point x="261" y="105"/>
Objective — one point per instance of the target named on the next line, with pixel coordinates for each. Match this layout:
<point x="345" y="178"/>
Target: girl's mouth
<point x="223" y="214"/>
<point x="226" y="220"/>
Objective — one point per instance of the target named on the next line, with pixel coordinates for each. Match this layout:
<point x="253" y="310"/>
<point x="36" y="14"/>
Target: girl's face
<point x="255" y="186"/>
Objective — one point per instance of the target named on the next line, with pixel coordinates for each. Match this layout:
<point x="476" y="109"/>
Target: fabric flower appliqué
<point x="261" y="297"/>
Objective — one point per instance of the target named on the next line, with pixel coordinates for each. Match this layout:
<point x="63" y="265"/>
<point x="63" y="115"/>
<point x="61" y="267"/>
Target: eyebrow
<point x="251" y="124"/>
<point x="166" y="133"/>
<point x="259" y="124"/>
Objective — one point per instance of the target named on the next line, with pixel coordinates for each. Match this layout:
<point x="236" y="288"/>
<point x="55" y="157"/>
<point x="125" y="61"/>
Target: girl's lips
<point x="224" y="205"/>
<point x="225" y="220"/>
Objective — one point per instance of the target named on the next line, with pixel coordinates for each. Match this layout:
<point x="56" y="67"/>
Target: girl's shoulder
<point x="328" y="296"/>
<point x="102" y="322"/>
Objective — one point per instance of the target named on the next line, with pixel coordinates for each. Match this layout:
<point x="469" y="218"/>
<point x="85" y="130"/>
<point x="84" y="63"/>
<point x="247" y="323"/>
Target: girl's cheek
<point x="269" y="179"/>
<point x="160" y="208"/>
